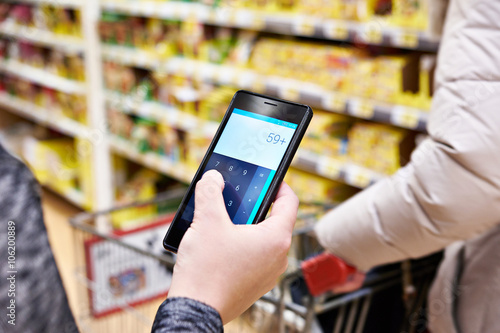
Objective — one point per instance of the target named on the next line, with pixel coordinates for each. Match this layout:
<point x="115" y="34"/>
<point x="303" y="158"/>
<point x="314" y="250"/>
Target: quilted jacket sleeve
<point x="451" y="188"/>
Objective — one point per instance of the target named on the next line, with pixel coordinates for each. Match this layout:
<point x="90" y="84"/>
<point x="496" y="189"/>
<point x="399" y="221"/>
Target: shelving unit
<point x="43" y="116"/>
<point x="373" y="32"/>
<point x="42" y="77"/>
<point x="162" y="114"/>
<point x="75" y="4"/>
<point x="338" y="170"/>
<point x="94" y="131"/>
<point x="376" y="33"/>
<point x="67" y="44"/>
<point x="163" y="165"/>
<point x="303" y="92"/>
<point x="74" y="196"/>
<point x="100" y="190"/>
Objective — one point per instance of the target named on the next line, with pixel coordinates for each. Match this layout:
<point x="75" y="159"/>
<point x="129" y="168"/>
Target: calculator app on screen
<point x="247" y="155"/>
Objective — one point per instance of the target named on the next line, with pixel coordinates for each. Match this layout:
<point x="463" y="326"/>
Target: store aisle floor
<point x="57" y="212"/>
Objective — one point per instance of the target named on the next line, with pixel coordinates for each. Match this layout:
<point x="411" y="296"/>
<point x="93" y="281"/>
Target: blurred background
<point x="112" y="102"/>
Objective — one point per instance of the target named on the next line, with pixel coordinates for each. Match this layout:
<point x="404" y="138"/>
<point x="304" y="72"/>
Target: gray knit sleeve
<point x="31" y="290"/>
<point x="181" y="314"/>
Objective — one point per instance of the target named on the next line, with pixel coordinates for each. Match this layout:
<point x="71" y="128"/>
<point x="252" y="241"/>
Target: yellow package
<point x="314" y="189"/>
<point x="141" y="187"/>
<point x="53" y="162"/>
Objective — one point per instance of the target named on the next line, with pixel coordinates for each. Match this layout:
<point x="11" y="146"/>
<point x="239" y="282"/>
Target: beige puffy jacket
<point x="449" y="194"/>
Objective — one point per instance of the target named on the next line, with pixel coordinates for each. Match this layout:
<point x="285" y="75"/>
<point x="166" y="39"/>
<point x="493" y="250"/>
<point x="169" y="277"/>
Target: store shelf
<point x="67" y="44"/>
<point x="151" y="160"/>
<point x="335" y="169"/>
<point x="373" y="32"/>
<point x="303" y="92"/>
<point x="42" y="116"/>
<point x="161" y="114"/>
<point x="72" y="195"/>
<point x="42" y="77"/>
<point x="60" y="3"/>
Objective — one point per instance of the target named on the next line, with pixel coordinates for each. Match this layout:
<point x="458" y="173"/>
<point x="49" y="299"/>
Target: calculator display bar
<point x="255" y="139"/>
<point x="248" y="153"/>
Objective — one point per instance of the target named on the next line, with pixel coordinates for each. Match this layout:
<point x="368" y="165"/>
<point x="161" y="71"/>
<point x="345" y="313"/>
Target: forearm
<point x="180" y="314"/>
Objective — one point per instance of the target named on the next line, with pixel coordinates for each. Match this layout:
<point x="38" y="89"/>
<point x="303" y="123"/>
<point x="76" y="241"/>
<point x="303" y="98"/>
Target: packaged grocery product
<point x="381" y="148"/>
<point x="53" y="161"/>
<point x="327" y="134"/>
<point x="140" y="187"/>
<point x="214" y="105"/>
<point x="314" y="189"/>
<point x="172" y="143"/>
<point x="196" y="146"/>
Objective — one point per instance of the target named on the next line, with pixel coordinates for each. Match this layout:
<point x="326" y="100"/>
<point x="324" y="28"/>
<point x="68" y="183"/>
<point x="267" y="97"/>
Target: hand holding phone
<point x="252" y="149"/>
<point x="227" y="266"/>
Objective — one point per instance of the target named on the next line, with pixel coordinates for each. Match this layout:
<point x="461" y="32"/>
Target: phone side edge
<point x="284" y="166"/>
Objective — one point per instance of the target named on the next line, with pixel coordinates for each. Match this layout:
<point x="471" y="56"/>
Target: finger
<point x="208" y="200"/>
<point x="285" y="208"/>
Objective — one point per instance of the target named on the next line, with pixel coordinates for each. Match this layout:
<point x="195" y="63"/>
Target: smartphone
<point x="252" y="149"/>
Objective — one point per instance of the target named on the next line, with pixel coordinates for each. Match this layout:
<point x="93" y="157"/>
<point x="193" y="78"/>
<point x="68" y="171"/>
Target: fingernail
<point x="214" y="173"/>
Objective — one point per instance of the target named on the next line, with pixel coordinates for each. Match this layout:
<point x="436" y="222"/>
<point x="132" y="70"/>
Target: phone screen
<point x="252" y="150"/>
<point x="248" y="153"/>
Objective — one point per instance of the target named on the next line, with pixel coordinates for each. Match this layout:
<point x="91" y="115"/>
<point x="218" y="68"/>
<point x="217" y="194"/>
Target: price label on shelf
<point x="183" y="120"/>
<point x="201" y="13"/>
<point x="246" y="79"/>
<point x="406" y="39"/>
<point x="237" y="78"/>
<point x="334" y="102"/>
<point x="304" y="26"/>
<point x="244" y="19"/>
<point x="232" y="18"/>
<point x="336" y="30"/>
<point x="157" y="111"/>
<point x="149" y="159"/>
<point x="259" y="84"/>
<point x="197" y="72"/>
<point x="290" y="93"/>
<point x="258" y="22"/>
<point x="209" y="129"/>
<point x="157" y="163"/>
<point x="212" y="16"/>
<point x="223" y="16"/>
<point x="329" y="167"/>
<point x="148" y="8"/>
<point x="405" y="117"/>
<point x="170" y="117"/>
<point x="372" y="33"/>
<point x="166" y="10"/>
<point x="205" y="72"/>
<point x="143" y="109"/>
<point x="185" y="10"/>
<point x="358" y="177"/>
<point x="362" y="109"/>
<point x="224" y="76"/>
<point x="182" y="68"/>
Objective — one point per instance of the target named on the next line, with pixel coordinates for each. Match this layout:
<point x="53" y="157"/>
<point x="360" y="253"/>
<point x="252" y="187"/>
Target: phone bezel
<point x="299" y="114"/>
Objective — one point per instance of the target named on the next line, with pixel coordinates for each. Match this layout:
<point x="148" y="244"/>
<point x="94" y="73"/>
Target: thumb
<point x="208" y="200"/>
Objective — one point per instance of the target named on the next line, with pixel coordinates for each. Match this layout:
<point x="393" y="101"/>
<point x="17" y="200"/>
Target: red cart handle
<point x="324" y="272"/>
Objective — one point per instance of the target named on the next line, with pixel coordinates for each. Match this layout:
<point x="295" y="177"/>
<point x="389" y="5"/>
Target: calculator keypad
<point x="242" y="189"/>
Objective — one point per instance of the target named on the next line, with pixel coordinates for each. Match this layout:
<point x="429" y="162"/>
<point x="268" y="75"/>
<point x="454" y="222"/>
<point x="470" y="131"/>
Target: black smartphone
<point x="252" y="149"/>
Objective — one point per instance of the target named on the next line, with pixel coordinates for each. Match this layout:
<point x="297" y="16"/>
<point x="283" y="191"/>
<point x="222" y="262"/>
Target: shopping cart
<point x="122" y="277"/>
<point x="392" y="298"/>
